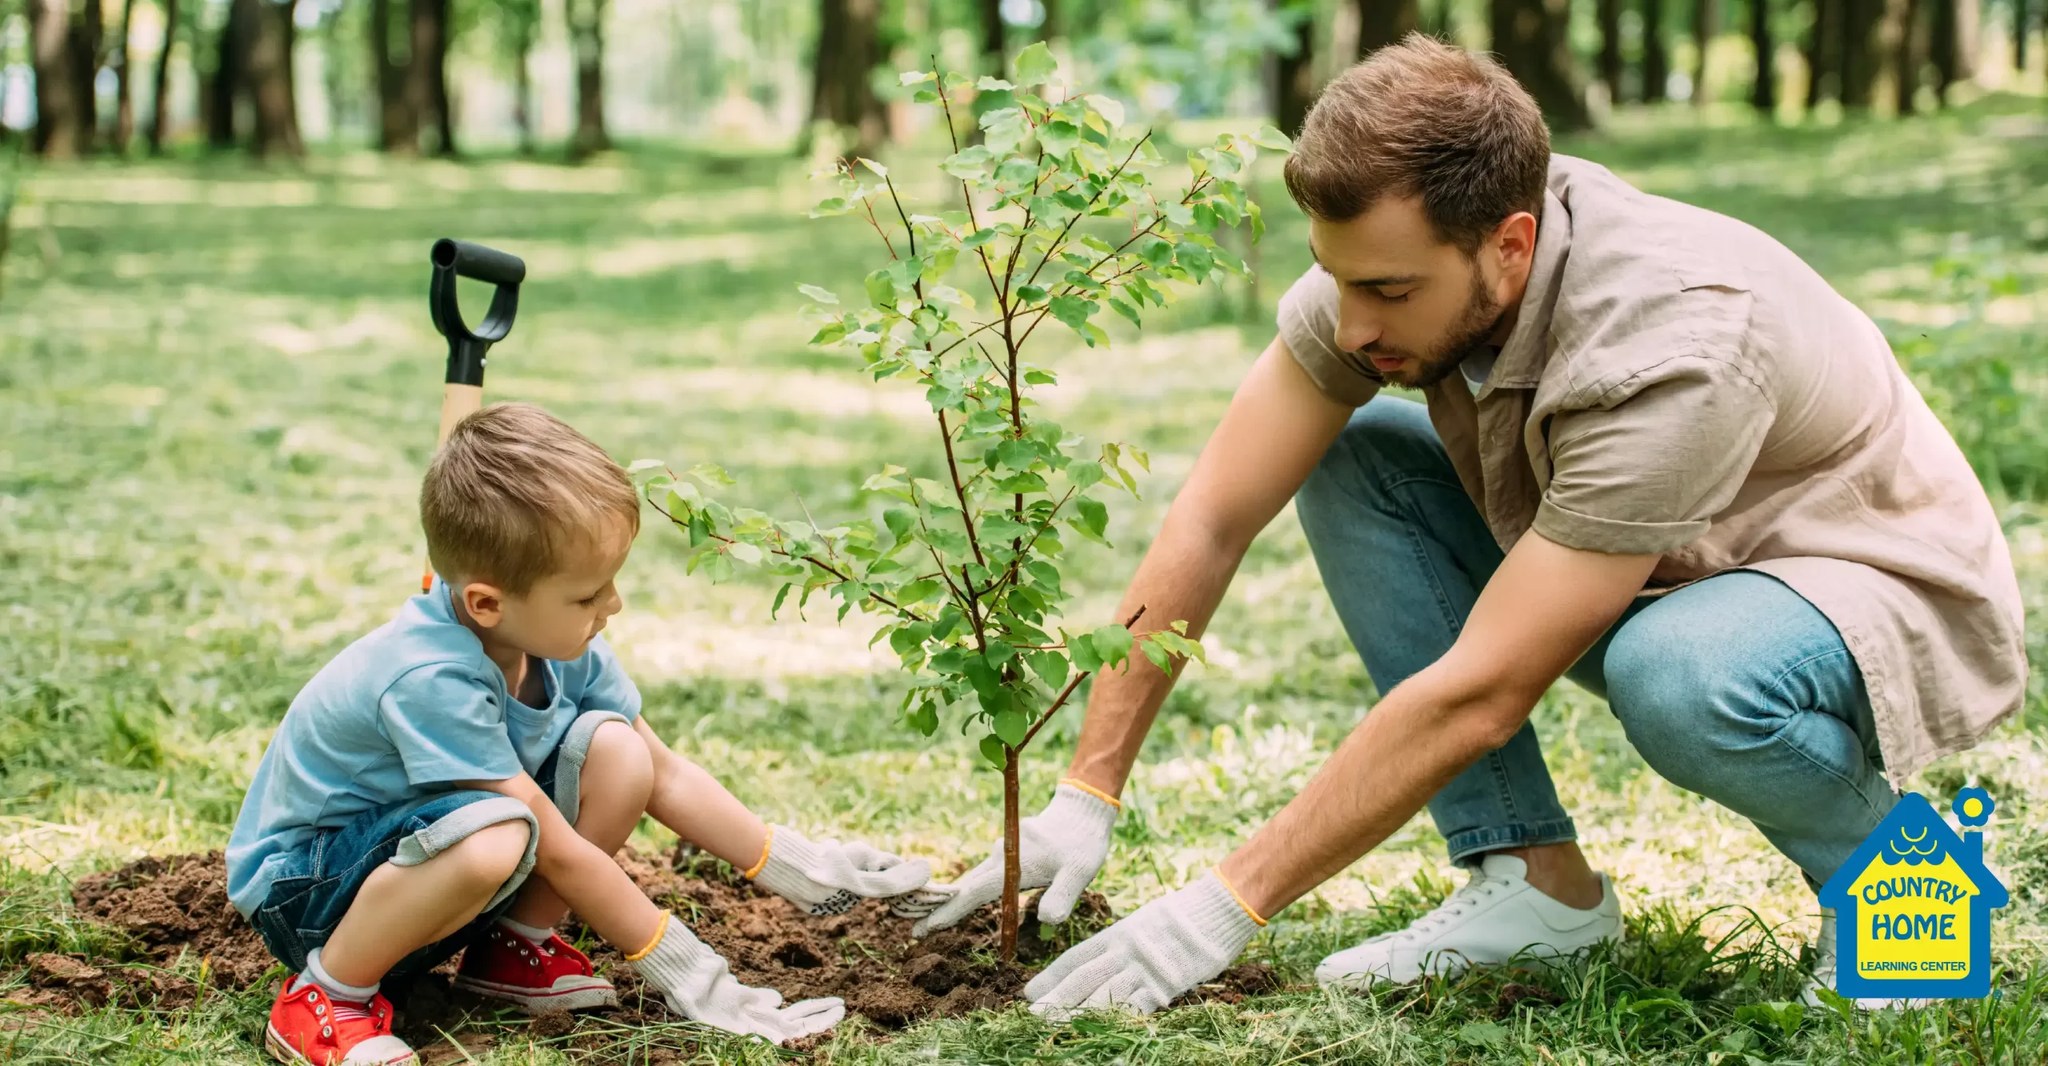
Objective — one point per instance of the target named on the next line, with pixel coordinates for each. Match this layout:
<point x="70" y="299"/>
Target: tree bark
<point x="1763" y="91"/>
<point x="223" y="125"/>
<point x="2022" y="21"/>
<point x="1385" y="22"/>
<point x="1656" y="60"/>
<point x="426" y="83"/>
<point x="1293" y="81"/>
<point x="586" y="33"/>
<point x="522" y="85"/>
<point x="1608" y="12"/>
<point x="994" y="51"/>
<point x="1053" y="26"/>
<point x="1861" y="51"/>
<point x="1909" y="53"/>
<point x="843" y="89"/>
<point x="1706" y="21"/>
<point x="60" y="114"/>
<point x="91" y="46"/>
<point x="398" y="124"/>
<point x="1944" y="49"/>
<point x="1012" y="848"/>
<point x="1824" y="52"/>
<point x="124" y="91"/>
<point x="267" y="75"/>
<point x="159" y="108"/>
<point x="1530" y="37"/>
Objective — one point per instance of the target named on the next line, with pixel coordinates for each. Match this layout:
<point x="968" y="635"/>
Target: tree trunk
<point x="159" y="108"/>
<point x="398" y="125"/>
<point x="994" y="50"/>
<point x="1012" y="873"/>
<point x="843" y="89"/>
<point x="1656" y="60"/>
<point x="1763" y="91"/>
<point x="90" y="48"/>
<point x="267" y="75"/>
<point x="1861" y="51"/>
<point x="1706" y="20"/>
<point x="1608" y="12"/>
<point x="2021" y="23"/>
<point x="426" y="83"/>
<point x="124" y="91"/>
<point x="1385" y="22"/>
<point x="1909" y="52"/>
<point x="1943" y="49"/>
<point x="1824" y="52"/>
<point x="58" y="108"/>
<point x="522" y="85"/>
<point x="1530" y="37"/>
<point x="1293" y="83"/>
<point x="223" y="125"/>
<point x="586" y="32"/>
<point x="1051" y="27"/>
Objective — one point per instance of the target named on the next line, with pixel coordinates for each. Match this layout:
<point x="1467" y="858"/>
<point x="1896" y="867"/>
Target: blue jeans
<point x="1734" y="687"/>
<point x="308" y="901"/>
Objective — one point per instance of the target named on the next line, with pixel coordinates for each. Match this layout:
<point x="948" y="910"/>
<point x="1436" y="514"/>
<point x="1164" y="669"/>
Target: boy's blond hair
<point x="512" y="486"/>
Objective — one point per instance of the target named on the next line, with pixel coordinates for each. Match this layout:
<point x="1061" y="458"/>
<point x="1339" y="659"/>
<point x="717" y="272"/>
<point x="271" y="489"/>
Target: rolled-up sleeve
<point x="1308" y="326"/>
<point x="1645" y="473"/>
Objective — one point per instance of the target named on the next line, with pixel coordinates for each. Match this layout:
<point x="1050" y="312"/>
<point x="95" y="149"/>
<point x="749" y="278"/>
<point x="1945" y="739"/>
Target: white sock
<point x="538" y="936"/>
<point x="317" y="974"/>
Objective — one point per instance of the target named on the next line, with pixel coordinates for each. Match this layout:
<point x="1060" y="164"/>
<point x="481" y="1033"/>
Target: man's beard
<point x="1474" y="327"/>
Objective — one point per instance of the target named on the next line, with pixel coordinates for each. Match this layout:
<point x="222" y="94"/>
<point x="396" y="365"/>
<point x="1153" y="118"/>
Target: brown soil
<point x="172" y="906"/>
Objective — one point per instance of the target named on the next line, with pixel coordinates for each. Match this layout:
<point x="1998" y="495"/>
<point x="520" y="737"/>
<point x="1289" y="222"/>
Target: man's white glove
<point x="1060" y="850"/>
<point x="828" y="877"/>
<point x="1147" y="960"/>
<point x="700" y="986"/>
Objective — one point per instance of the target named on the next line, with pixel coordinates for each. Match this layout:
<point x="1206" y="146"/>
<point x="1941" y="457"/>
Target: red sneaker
<point x="548" y="976"/>
<point x="309" y="1027"/>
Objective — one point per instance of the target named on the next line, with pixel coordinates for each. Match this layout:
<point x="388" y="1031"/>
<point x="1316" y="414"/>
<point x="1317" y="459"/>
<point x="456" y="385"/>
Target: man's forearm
<point x="1182" y="577"/>
<point x="1421" y="735"/>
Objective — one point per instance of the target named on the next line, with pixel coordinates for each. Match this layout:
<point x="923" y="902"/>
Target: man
<point x="1660" y="455"/>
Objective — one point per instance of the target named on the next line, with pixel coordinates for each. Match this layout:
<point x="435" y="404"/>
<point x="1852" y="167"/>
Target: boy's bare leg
<point x="694" y="806"/>
<point x="617" y="778"/>
<point x="401" y="909"/>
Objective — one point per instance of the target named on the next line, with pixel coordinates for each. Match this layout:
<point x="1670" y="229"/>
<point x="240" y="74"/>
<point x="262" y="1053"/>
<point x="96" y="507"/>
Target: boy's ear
<point x="484" y="603"/>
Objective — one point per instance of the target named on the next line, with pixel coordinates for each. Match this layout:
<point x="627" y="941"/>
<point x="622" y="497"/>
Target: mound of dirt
<point x="171" y="906"/>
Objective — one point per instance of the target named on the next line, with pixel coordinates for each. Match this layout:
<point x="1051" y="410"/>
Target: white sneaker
<point x="1497" y="916"/>
<point x="1824" y="967"/>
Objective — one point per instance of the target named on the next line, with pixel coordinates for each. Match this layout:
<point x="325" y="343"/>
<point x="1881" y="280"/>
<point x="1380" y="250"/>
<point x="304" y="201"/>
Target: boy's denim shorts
<point x="308" y="900"/>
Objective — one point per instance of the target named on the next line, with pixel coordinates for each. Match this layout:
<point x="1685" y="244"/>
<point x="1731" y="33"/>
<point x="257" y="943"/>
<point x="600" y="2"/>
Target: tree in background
<point x="586" y="36"/>
<point x="1763" y="92"/>
<point x="63" y="46"/>
<point x="1530" y="37"/>
<point x="518" y="31"/>
<point x="160" y="82"/>
<point x="2022" y="24"/>
<point x="1824" y="52"/>
<point x="124" y="95"/>
<point x="1706" y="22"/>
<point x="843" y="93"/>
<point x="1292" y="71"/>
<point x="1656" y="60"/>
<point x="426" y="81"/>
<point x="1383" y="22"/>
<point x="1608" y="14"/>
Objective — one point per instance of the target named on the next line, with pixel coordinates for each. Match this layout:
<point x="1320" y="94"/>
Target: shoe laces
<point x="1460" y="903"/>
<point x="345" y="1011"/>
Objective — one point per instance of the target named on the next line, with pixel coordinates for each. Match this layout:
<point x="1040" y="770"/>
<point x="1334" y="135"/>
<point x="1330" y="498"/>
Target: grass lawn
<point x="219" y="387"/>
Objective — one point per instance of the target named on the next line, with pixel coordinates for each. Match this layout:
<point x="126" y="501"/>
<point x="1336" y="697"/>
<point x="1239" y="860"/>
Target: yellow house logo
<point x="1914" y="905"/>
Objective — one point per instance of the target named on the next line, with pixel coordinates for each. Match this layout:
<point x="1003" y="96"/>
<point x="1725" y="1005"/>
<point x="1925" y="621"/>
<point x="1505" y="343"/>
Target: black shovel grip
<point x="468" y="347"/>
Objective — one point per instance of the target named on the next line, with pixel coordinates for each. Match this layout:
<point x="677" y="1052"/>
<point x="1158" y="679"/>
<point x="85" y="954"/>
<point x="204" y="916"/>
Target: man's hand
<point x="1146" y="961"/>
<point x="1060" y="850"/>
<point x="828" y="877"/>
<point x="698" y="985"/>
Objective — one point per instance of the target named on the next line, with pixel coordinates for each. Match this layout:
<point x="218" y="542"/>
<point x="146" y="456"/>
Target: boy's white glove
<point x="828" y="877"/>
<point x="1146" y="961"/>
<point x="1060" y="849"/>
<point x="700" y="986"/>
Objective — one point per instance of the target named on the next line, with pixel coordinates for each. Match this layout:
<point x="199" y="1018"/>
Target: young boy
<point x="461" y="776"/>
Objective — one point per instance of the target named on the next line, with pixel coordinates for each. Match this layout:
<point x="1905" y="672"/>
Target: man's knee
<point x="491" y="855"/>
<point x="1384" y="438"/>
<point x="618" y="764"/>
<point x="1673" y="701"/>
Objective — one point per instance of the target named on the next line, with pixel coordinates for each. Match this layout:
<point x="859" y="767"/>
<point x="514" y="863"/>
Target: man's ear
<point x="1515" y="243"/>
<point x="484" y="603"/>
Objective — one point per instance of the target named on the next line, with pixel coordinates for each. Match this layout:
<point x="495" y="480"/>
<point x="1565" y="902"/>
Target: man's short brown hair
<point x="1422" y="118"/>
<point x="510" y="489"/>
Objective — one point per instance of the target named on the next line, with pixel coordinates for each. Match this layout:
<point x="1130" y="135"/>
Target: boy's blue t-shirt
<point x="406" y="710"/>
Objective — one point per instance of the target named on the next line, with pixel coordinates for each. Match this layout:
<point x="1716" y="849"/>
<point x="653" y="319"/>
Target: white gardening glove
<point x="700" y="986"/>
<point x="1150" y="958"/>
<point x="1060" y="850"/>
<point x="828" y="877"/>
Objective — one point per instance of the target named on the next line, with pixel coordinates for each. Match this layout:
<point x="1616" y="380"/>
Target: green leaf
<point x="1112" y="643"/>
<point x="700" y="530"/>
<point x="882" y="288"/>
<point x="1015" y="454"/>
<point x="899" y="521"/>
<point x="744" y="552"/>
<point x="993" y="84"/>
<point x="1092" y="334"/>
<point x="913" y="77"/>
<point x="1017" y="173"/>
<point x="1050" y="666"/>
<point x="969" y="163"/>
<point x="823" y="296"/>
<point x="1269" y="137"/>
<point x="918" y="591"/>
<point x="1125" y="308"/>
<point x="1003" y="129"/>
<point x="1010" y="726"/>
<point x="828" y="207"/>
<point x="1039" y="377"/>
<point x="1060" y="138"/>
<point x="1157" y="252"/>
<point x="925" y="719"/>
<point x="779" y="597"/>
<point x="977" y="239"/>
<point x="1030" y="294"/>
<point x="1110" y="108"/>
<point x="880" y="170"/>
<point x="1483" y="1034"/>
<point x="992" y="750"/>
<point x="909" y="637"/>
<point x="1082" y="651"/>
<point x="1072" y="310"/>
<point x="1094" y="516"/>
<point x="1035" y="64"/>
<point x="1195" y="258"/>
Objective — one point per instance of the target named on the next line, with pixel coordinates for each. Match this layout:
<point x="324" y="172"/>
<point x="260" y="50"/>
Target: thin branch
<point x="811" y="559"/>
<point x="909" y="232"/>
<point x="1061" y="699"/>
<point x="960" y="490"/>
<point x="1053" y="248"/>
<point x="870" y="208"/>
<point x="1018" y="559"/>
<point x="967" y="194"/>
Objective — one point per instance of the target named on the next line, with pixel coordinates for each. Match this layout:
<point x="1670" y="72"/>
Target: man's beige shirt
<point x="1678" y="382"/>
